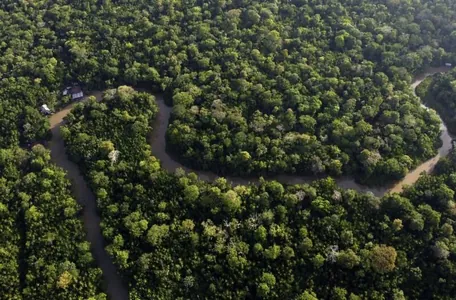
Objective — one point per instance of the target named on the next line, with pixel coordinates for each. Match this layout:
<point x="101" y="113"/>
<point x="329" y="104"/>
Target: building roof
<point x="76" y="90"/>
<point x="77" y="95"/>
<point x="45" y="109"/>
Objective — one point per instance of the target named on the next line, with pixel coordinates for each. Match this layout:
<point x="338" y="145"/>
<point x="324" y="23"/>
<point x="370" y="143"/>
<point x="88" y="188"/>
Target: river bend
<point x="158" y="145"/>
<point x="115" y="288"/>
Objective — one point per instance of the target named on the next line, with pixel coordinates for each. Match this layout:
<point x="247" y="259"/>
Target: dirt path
<point x="85" y="197"/>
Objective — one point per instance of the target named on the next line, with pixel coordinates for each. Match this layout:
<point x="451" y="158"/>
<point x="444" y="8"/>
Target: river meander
<point x="157" y="141"/>
<point x="85" y="197"/>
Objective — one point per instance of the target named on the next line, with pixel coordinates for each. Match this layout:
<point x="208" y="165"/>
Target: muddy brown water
<point x="157" y="141"/>
<point x="158" y="146"/>
<point x="427" y="166"/>
<point x="114" y="285"/>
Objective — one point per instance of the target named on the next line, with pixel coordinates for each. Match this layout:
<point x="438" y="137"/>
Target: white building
<point x="45" y="109"/>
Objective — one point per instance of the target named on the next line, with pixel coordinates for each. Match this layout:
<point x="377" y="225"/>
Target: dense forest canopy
<point x="43" y="250"/>
<point x="174" y="236"/>
<point x="439" y="92"/>
<point x="257" y="87"/>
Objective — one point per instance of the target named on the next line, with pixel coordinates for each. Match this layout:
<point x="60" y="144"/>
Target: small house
<point x="76" y="93"/>
<point x="448" y="65"/>
<point x="45" y="110"/>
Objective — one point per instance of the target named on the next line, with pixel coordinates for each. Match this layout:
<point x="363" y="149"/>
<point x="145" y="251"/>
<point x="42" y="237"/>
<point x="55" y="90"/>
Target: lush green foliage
<point x="439" y="92"/>
<point x="21" y="122"/>
<point x="43" y="250"/>
<point x="125" y="116"/>
<point x="176" y="237"/>
<point x="307" y="89"/>
<point x="258" y="86"/>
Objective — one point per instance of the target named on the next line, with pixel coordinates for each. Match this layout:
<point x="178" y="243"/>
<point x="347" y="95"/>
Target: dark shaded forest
<point x="439" y="92"/>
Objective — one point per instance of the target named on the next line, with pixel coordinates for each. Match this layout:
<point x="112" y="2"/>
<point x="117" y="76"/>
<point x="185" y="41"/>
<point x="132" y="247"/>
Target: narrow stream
<point x="85" y="197"/>
<point x="116" y="290"/>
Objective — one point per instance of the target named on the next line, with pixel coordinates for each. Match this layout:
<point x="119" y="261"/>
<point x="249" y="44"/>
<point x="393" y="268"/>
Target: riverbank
<point x="428" y="166"/>
<point x="157" y="140"/>
<point x="85" y="197"/>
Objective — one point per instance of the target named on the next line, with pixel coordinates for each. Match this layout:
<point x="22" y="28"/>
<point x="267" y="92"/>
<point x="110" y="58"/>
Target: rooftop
<point x="76" y="90"/>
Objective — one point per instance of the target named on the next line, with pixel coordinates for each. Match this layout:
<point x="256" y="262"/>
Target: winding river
<point x="445" y="136"/>
<point x="158" y="145"/>
<point x="113" y="284"/>
<point x="85" y="197"/>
